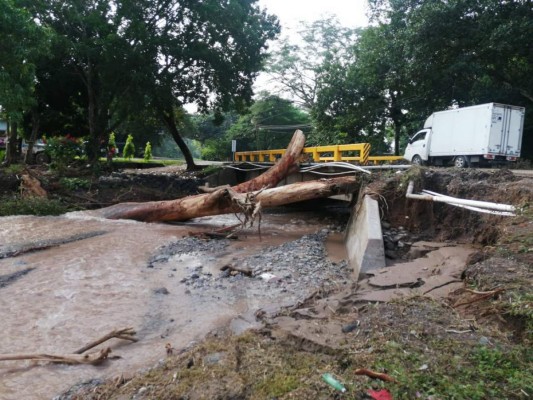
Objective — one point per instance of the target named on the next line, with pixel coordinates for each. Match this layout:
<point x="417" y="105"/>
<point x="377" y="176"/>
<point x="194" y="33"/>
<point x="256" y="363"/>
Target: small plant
<point x="111" y="147"/>
<point x="148" y="152"/>
<point x="74" y="183"/>
<point x="2" y="155"/>
<point x="129" y="148"/>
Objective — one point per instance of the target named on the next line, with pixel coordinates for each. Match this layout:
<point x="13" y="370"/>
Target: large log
<point x="227" y="201"/>
<point x="247" y="198"/>
<point x="287" y="164"/>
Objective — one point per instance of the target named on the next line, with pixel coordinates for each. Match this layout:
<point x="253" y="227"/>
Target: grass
<point x="31" y="206"/>
<point x="121" y="160"/>
<point x="430" y="365"/>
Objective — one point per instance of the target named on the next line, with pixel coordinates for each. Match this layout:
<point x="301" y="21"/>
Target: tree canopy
<point x="129" y="55"/>
<point x="418" y="57"/>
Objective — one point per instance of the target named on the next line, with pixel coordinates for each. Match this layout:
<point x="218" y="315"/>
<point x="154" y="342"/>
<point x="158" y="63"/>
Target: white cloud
<point x="350" y="13"/>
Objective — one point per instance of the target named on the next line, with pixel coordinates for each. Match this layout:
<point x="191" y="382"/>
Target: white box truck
<point x="469" y="136"/>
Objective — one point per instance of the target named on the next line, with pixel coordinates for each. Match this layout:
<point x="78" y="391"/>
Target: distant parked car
<point x="39" y="154"/>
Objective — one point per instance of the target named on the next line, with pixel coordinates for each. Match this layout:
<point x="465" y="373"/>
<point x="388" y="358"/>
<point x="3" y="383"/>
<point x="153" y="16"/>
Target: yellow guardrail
<point x="387" y="159"/>
<point x="359" y="152"/>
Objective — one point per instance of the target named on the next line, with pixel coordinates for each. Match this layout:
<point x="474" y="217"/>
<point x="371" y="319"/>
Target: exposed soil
<point x="473" y="342"/>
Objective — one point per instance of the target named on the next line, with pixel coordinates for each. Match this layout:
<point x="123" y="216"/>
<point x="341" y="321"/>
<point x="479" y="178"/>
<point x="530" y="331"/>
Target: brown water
<point x="81" y="290"/>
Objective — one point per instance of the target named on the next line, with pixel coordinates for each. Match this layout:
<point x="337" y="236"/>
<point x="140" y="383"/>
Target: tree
<point x="207" y="53"/>
<point x="419" y="57"/>
<point x="472" y="52"/>
<point x="269" y="124"/>
<point x="23" y="41"/>
<point x="298" y="68"/>
<point x="162" y="54"/>
<point x="147" y="152"/>
<point x="129" y="148"/>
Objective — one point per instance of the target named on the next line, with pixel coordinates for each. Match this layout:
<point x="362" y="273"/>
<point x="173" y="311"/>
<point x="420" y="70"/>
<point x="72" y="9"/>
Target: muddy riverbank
<point x="291" y="287"/>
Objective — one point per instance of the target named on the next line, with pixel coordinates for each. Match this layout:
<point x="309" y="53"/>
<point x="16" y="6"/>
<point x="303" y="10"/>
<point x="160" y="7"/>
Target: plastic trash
<point x="334" y="383"/>
<point x="382" y="394"/>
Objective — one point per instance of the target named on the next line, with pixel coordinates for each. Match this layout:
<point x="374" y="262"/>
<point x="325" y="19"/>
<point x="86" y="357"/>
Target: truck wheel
<point x="42" y="158"/>
<point x="417" y="160"/>
<point x="460" y="162"/>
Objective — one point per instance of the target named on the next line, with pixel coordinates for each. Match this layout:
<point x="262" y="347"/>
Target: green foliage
<point x="23" y="42"/>
<point x="521" y="306"/>
<point x="457" y="372"/>
<point x="31" y="206"/>
<point x="111" y="62"/>
<point x="419" y="57"/>
<point x="75" y="183"/>
<point x="129" y="148"/>
<point x="2" y="155"/>
<point x="269" y="124"/>
<point x="148" y="152"/>
<point x="217" y="149"/>
<point x="111" y="146"/>
<point x="15" y="169"/>
<point x="62" y="151"/>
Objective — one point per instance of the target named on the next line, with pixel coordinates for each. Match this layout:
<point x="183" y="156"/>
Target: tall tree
<point x="22" y="42"/>
<point x="161" y="54"/>
<point x="297" y="67"/>
<point x="207" y="53"/>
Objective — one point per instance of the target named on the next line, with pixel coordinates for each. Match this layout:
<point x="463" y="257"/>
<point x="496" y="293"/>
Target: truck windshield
<point x="419" y="136"/>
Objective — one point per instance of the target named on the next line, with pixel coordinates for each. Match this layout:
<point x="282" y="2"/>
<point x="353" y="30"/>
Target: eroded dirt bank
<point x="307" y="317"/>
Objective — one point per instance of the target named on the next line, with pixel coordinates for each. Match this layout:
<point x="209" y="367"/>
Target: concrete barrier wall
<point x="364" y="239"/>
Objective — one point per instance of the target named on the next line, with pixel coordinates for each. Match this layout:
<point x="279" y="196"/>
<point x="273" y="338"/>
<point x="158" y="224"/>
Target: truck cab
<point x="417" y="150"/>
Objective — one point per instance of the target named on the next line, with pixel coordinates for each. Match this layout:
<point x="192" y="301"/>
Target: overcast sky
<point x="351" y="13"/>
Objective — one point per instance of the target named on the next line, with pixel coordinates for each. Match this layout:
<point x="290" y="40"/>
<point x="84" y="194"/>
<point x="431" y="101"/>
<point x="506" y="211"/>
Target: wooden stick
<point x="375" y="375"/>
<point x="486" y="295"/>
<point x="72" y="359"/>
<point x="125" y="334"/>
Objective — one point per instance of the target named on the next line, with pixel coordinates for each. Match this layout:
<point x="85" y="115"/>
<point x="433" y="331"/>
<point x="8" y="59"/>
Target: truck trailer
<point x="470" y="136"/>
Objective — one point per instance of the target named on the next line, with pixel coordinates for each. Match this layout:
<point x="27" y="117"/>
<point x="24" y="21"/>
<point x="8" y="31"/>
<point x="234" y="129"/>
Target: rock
<point x="385" y="225"/>
<point x="389" y="244"/>
<point x="161" y="290"/>
<point x="142" y="390"/>
<point x="195" y="276"/>
<point x="391" y="254"/>
<point x="350" y="327"/>
<point x="483" y="340"/>
<point x="213" y="358"/>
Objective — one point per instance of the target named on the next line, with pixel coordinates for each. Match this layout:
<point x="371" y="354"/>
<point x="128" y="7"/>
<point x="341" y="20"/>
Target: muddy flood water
<point x="91" y="276"/>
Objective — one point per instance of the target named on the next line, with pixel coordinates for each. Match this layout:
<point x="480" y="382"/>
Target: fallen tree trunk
<point x="247" y="198"/>
<point x="227" y="201"/>
<point x="286" y="165"/>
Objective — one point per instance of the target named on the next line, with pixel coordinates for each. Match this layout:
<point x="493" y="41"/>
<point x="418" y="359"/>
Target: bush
<point x="111" y="147"/>
<point x="74" y="183"/>
<point x="129" y="148"/>
<point x="31" y="206"/>
<point x="148" y="152"/>
<point x="62" y="151"/>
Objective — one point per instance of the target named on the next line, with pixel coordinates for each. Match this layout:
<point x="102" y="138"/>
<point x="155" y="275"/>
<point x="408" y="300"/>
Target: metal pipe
<point x="454" y="200"/>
